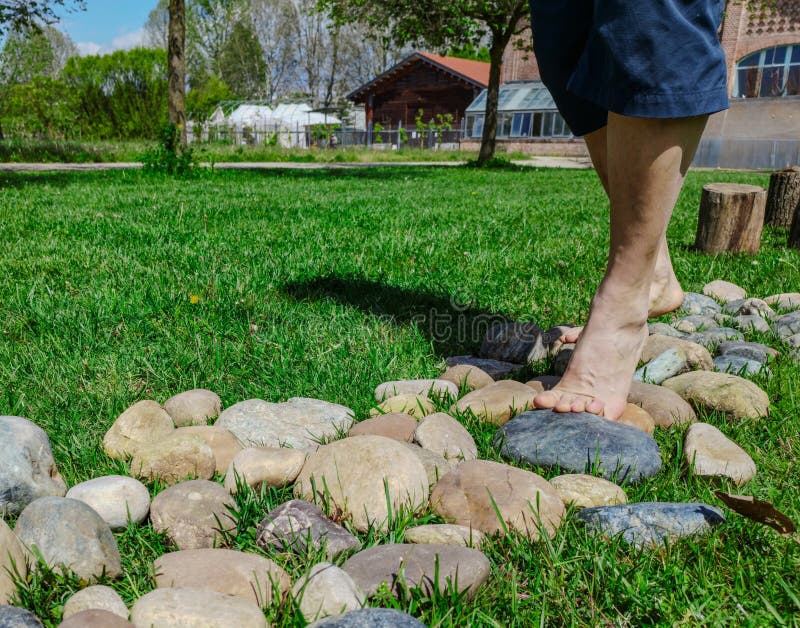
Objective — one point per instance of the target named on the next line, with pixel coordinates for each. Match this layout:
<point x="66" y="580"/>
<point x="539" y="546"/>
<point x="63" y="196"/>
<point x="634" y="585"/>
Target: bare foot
<point x="600" y="372"/>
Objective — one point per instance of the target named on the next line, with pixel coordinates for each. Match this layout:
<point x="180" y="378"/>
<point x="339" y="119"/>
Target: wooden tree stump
<point x="783" y="197"/>
<point x="731" y="218"/>
<point x="794" y="231"/>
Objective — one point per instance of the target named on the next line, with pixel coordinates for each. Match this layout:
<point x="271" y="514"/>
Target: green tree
<point x="445" y="25"/>
<point x="202" y="101"/>
<point x="34" y="52"/>
<point x="241" y="63"/>
<point x="22" y="14"/>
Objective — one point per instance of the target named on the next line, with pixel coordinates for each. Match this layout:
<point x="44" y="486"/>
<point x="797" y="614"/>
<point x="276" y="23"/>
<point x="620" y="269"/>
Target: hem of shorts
<point x="660" y="105"/>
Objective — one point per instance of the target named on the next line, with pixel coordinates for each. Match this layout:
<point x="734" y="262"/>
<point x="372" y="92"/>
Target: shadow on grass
<point x="453" y="328"/>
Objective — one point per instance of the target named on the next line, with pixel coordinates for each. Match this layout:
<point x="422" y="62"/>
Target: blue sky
<point x="107" y="25"/>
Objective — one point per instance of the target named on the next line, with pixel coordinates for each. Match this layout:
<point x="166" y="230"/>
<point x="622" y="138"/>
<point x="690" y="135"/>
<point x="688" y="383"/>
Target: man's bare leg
<point x="647" y="163"/>
<point x="666" y="294"/>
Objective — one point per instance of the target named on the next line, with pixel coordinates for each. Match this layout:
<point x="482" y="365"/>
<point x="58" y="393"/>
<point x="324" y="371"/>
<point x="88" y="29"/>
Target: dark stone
<point x="694" y="303"/>
<point x="580" y="443"/>
<point x="370" y="618"/>
<point x="518" y="343"/>
<point x="294" y="524"/>
<point x="739" y="366"/>
<point x="787" y="325"/>
<point x="750" y="350"/>
<point x="496" y="369"/>
<point x="711" y="338"/>
<point x="466" y="569"/>
<point x="650" y="523"/>
<point x="13" y="617"/>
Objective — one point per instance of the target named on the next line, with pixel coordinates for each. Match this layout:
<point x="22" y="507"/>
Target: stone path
<point x="413" y="454"/>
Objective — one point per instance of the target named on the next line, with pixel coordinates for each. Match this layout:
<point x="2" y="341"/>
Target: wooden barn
<point x="435" y="84"/>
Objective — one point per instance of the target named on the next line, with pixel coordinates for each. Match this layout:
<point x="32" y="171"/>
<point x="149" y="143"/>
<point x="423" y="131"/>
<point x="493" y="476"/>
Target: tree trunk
<point x="177" y="67"/>
<point x="731" y="218"/>
<point x="489" y="137"/>
<point x="783" y="197"/>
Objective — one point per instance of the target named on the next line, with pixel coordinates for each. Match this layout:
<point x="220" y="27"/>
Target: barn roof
<point x="474" y="73"/>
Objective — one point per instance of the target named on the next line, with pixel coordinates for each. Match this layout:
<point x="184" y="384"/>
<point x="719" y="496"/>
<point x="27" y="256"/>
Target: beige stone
<point x="118" y="499"/>
<point x="223" y="443"/>
<point x="417" y="406"/>
<point x="445" y="436"/>
<point x="192" y="514"/>
<point x="541" y="383"/>
<point x="240" y="574"/>
<point x="424" y="387"/>
<point x="697" y="356"/>
<point x="397" y="426"/>
<point x="723" y="291"/>
<point x="97" y="597"/>
<point x="785" y="301"/>
<point x="498" y="402"/>
<point x="96" y="618"/>
<point x="193" y="407"/>
<point x="356" y="473"/>
<point x="588" y="491"/>
<point x="12" y="560"/>
<point x="325" y="591"/>
<point x="444" y="534"/>
<point x="477" y="490"/>
<point x="637" y="417"/>
<point x="710" y="453"/>
<point x="264" y="466"/>
<point x="195" y="608"/>
<point x="436" y="466"/>
<point x="177" y="457"/>
<point x="467" y="376"/>
<point x="144" y="422"/>
<point x="666" y="407"/>
<point x="723" y="392"/>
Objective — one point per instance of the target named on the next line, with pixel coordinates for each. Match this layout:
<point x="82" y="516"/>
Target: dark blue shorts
<point x="640" y="58"/>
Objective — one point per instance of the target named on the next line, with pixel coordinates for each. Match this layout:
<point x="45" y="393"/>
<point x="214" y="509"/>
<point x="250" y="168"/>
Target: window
<point x="521" y="125"/>
<point x="475" y="125"/>
<point x="504" y="124"/>
<point x="769" y="73"/>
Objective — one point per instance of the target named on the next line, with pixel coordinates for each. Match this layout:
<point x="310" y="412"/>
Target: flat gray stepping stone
<point x="663" y="366"/>
<point x="693" y="323"/>
<point x="738" y="365"/>
<point x="428" y="567"/>
<point x="744" y="307"/>
<point x="713" y="337"/>
<point x="694" y="303"/>
<point x="15" y="617"/>
<point x="650" y="523"/>
<point x="519" y="343"/>
<point x="750" y="350"/>
<point x="496" y="369"/>
<point x="664" y="330"/>
<point x="580" y="443"/>
<point x="751" y="323"/>
<point x="297" y="523"/>
<point x="370" y="618"/>
<point x="787" y="325"/>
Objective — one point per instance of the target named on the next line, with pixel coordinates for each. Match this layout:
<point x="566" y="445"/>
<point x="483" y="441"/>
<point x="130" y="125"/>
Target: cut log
<point x="783" y="197"/>
<point x="731" y="218"/>
<point x="794" y="230"/>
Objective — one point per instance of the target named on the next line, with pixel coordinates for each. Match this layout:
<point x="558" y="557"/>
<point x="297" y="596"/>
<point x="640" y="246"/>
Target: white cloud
<point x="86" y="48"/>
<point x="126" y="41"/>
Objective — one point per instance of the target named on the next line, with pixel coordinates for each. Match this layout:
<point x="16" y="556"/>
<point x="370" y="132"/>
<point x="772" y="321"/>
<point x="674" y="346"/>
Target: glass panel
<point x="536" y="130"/>
<point x="561" y="126"/>
<point x="793" y="81"/>
<point x="480" y="102"/>
<point x="516" y="124"/>
<point x="504" y="124"/>
<point x="796" y="53"/>
<point x="772" y="82"/>
<point x="780" y="55"/>
<point x="477" y="126"/>
<point x="525" y="130"/>
<point x="505" y="95"/>
<point x="751" y="61"/>
<point x="748" y="83"/>
<point x="547" y="124"/>
<point x="769" y="54"/>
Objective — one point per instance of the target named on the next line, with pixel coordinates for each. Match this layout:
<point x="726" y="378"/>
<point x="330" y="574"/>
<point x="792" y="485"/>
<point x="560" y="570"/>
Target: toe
<point x="545" y="401"/>
<point x="579" y="405"/>
<point x="564" y="404"/>
<point x="595" y="406"/>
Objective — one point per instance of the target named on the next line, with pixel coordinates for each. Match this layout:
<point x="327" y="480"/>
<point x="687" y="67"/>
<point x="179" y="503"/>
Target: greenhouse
<point x="525" y="110"/>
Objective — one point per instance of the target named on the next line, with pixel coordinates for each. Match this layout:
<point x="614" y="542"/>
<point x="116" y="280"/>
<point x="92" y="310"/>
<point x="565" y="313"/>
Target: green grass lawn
<point x="325" y="284"/>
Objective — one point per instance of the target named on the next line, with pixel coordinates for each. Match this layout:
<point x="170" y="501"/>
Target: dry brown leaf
<point x="757" y="510"/>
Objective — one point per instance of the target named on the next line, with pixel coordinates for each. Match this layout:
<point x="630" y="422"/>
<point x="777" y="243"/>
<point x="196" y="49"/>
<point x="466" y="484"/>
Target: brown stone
<point x="223" y="443"/>
<point x="144" y="422"/>
<point x="697" y="356"/>
<point x="95" y="618"/>
<point x="444" y="534"/>
<point x="710" y="453"/>
<point x="666" y="407"/>
<point x="195" y="608"/>
<point x="193" y="407"/>
<point x="723" y="291"/>
<point x="588" y="491"/>
<point x="467" y="376"/>
<point x="175" y="458"/>
<point x="397" y="426"/>
<point x="12" y="557"/>
<point x="424" y="387"/>
<point x="417" y="406"/>
<point x="264" y="466"/>
<point x="735" y="396"/>
<point x="445" y="436"/>
<point x="498" y="402"/>
<point x="637" y="417"/>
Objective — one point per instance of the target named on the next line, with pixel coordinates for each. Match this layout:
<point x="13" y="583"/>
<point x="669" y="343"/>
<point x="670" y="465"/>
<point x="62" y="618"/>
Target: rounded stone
<point x="69" y="533"/>
<point x="750" y="350"/>
<point x="666" y="407"/>
<point x="637" y="417"/>
<point x="697" y="356"/>
<point x="710" y="453"/>
<point x="587" y="491"/>
<point x="299" y="423"/>
<point x="193" y="407"/>
<point x="733" y="395"/>
<point x="195" y="608"/>
<point x="663" y="329"/>
<point x="223" y="443"/>
<point x="473" y="494"/>
<point x="739" y="366"/>
<point x="267" y="466"/>
<point x="395" y="426"/>
<point x="498" y="402"/>
<point x="370" y="618"/>
<point x="191" y="513"/>
<point x="751" y="323"/>
<point x="694" y="303"/>
<point x="97" y="597"/>
<point x="444" y="534"/>
<point x="327" y="590"/>
<point x="177" y="457"/>
<point x="663" y="366"/>
<point x="424" y="387"/>
<point x="96" y="618"/>
<point x="785" y="301"/>
<point x="696" y="322"/>
<point x="744" y="307"/>
<point x="116" y="498"/>
<point x="787" y="325"/>
<point x="711" y="338"/>
<point x="360" y="474"/>
<point x="27" y="468"/>
<point x="723" y="291"/>
<point x="436" y="466"/>
<point x="12" y="561"/>
<point x="14" y="617"/>
<point x="144" y="422"/>
<point x="417" y="406"/>
<point x="467" y="376"/>
<point x="243" y="575"/>
<point x="442" y="434"/>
